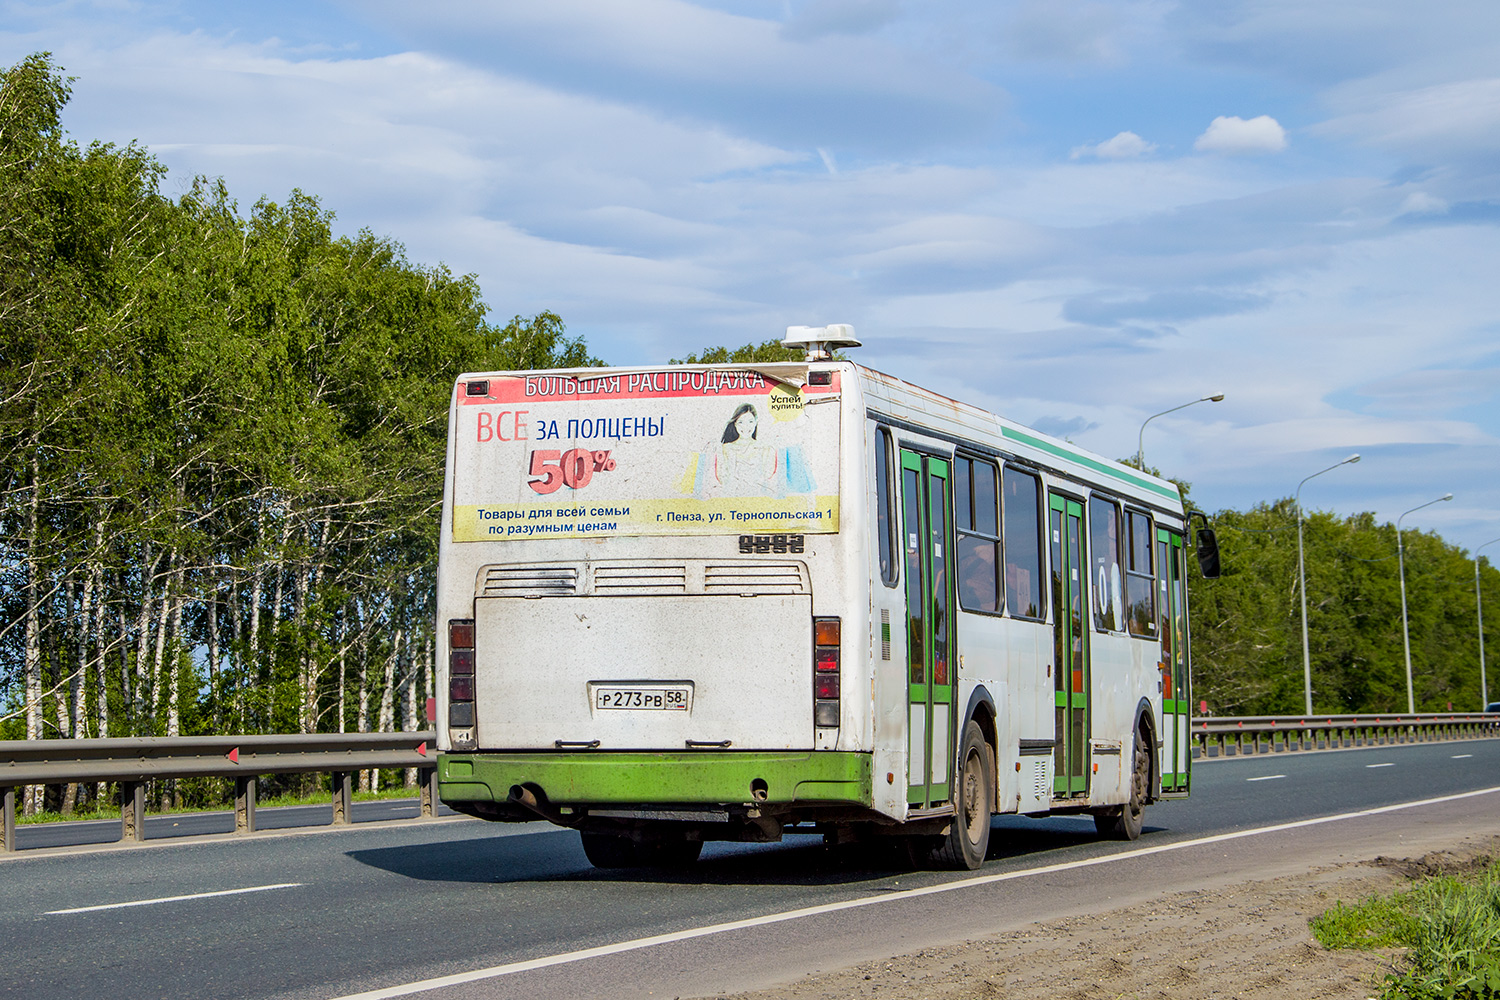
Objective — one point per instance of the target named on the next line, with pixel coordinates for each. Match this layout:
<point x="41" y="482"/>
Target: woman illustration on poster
<point x="741" y="464"/>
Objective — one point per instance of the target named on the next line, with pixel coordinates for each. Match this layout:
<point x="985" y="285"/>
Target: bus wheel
<point x="968" y="839"/>
<point x="605" y="850"/>
<point x="674" y="853"/>
<point x="1124" y="822"/>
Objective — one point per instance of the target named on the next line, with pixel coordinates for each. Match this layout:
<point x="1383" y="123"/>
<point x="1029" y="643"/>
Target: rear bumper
<point x="720" y="777"/>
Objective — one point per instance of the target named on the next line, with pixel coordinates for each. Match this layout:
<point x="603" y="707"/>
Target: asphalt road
<point x="337" y="912"/>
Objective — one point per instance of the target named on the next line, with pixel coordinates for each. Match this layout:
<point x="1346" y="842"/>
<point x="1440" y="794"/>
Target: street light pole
<point x="1484" y="689"/>
<point x="1302" y="579"/>
<point x="1140" y="440"/>
<point x="1411" y="701"/>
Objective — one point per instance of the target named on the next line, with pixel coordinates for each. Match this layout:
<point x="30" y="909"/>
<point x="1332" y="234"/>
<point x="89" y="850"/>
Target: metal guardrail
<point x="133" y="762"/>
<point x="1246" y="735"/>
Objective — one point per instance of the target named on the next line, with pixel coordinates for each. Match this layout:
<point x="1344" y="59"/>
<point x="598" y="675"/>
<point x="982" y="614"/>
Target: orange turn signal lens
<point x="825" y="631"/>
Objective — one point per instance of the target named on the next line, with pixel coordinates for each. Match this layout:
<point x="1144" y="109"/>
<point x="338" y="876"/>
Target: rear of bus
<point x="641" y="604"/>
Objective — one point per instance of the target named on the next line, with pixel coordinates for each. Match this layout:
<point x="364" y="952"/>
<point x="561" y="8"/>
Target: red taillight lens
<point x="461" y="687"/>
<point x="461" y="633"/>
<point x="461" y="661"/>
<point x="826" y="672"/>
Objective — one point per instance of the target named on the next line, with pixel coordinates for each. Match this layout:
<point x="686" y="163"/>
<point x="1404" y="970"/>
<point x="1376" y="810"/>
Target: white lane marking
<point x="458" y="979"/>
<point x="1461" y="756"/>
<point x="1387" y="764"/>
<point x="1267" y="777"/>
<point x="173" y="899"/>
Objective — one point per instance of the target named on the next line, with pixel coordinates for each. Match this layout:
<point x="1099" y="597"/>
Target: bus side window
<point x="977" y="505"/>
<point x="1105" y="579"/>
<point x="1023" y="544"/>
<point x="1140" y="583"/>
<point x="885" y="507"/>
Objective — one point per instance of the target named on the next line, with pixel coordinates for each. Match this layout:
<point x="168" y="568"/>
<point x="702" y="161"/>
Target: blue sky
<point x="1076" y="213"/>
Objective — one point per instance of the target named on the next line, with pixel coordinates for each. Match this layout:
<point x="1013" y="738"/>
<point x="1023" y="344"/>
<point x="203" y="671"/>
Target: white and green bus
<point x="721" y="602"/>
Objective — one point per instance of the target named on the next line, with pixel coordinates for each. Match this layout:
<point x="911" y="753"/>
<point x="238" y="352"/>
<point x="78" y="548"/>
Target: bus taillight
<point x="826" y="673"/>
<point x="461" y="680"/>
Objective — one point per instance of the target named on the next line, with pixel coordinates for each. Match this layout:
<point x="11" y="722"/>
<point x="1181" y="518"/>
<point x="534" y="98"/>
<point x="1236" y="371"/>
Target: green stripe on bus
<point x="714" y="777"/>
<point x="1113" y="471"/>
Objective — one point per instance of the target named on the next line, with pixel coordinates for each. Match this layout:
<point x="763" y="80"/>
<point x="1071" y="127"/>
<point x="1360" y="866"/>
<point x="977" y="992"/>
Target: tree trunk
<point x="339" y="629"/>
<point x="174" y="706"/>
<point x="387" y="698"/>
<point x="84" y="661"/>
<point x="409" y="704"/>
<point x="127" y="690"/>
<point x="31" y="798"/>
<point x="142" y="642"/>
<point x="161" y="649"/>
<point x="212" y="610"/>
<point x="363" y="720"/>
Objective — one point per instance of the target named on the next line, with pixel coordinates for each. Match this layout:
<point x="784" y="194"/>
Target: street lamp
<point x="1302" y="578"/>
<point x="1140" y="441"/>
<point x="1484" y="689"/>
<point x="1411" y="701"/>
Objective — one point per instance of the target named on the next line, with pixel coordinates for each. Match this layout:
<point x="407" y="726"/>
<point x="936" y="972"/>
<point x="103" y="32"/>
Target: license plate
<point x="642" y="697"/>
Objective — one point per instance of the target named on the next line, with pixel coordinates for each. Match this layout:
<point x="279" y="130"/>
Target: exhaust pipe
<point x="533" y="799"/>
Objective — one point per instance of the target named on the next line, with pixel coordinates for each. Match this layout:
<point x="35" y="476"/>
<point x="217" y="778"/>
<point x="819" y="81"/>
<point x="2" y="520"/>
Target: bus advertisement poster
<point x="645" y="453"/>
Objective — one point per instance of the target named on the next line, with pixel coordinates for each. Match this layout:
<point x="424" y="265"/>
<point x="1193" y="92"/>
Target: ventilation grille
<point x="647" y="578"/>
<point x="885" y="633"/>
<point x="643" y="580"/>
<point x="1042" y="781"/>
<point x="522" y="581"/>
<point x="754" y="578"/>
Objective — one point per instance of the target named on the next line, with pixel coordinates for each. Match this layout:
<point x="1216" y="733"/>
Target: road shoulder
<point x="1248" y="939"/>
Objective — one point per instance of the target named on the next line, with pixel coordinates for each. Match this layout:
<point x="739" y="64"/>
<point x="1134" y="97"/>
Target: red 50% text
<point x="572" y="469"/>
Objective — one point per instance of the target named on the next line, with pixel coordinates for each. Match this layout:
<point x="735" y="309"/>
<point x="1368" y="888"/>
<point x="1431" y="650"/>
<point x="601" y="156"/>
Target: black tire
<point x="968" y="839"/>
<point x="1124" y="822"/>
<point x="675" y="853"/>
<point x="605" y="850"/>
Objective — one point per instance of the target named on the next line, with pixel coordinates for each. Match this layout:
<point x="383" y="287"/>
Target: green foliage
<point x="1450" y="927"/>
<point x="1376" y="922"/>
<point x="1247" y="625"/>
<point x="764" y="352"/>
<point x="221" y="447"/>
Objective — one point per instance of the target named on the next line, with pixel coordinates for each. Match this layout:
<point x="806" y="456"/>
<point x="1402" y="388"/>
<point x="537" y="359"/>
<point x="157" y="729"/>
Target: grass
<point x="111" y="811"/>
<point x="1449" y="926"/>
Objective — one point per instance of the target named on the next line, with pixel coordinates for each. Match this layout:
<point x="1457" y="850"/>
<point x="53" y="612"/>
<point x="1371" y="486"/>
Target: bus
<point x="724" y="602"/>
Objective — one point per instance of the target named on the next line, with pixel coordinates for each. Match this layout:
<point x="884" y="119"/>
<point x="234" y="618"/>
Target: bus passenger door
<point x="1070" y="647"/>
<point x="929" y="640"/>
<point x="1176" y="695"/>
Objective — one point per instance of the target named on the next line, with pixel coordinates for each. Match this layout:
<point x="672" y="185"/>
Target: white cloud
<point x="1066" y="30"/>
<point x="1458" y="118"/>
<point x="1235" y="136"/>
<point x="640" y="169"/>
<point x="818" y="18"/>
<point x="1422" y="203"/>
<point x="1124" y="146"/>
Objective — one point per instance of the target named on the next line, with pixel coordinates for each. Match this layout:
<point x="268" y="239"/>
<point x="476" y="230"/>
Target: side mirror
<point x="1208" y="553"/>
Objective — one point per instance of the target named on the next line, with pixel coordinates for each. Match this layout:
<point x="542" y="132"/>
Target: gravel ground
<point x="1247" y="940"/>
